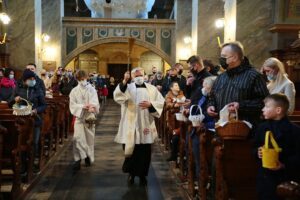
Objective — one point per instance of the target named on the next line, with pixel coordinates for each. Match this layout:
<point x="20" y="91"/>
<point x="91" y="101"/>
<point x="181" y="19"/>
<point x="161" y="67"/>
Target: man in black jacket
<point x="39" y="82"/>
<point x="28" y="89"/>
<point x="194" y="83"/>
<point x="240" y="86"/>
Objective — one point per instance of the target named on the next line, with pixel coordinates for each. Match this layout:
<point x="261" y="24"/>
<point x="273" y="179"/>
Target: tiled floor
<point x="105" y="180"/>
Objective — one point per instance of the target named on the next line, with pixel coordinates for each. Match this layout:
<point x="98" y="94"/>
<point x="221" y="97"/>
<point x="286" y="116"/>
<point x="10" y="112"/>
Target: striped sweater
<point x="244" y="85"/>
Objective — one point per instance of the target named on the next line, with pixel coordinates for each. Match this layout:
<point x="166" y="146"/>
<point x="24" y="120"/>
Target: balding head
<point x="138" y="71"/>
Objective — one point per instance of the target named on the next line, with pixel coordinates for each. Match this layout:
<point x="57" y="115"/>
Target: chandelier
<point x="120" y="8"/>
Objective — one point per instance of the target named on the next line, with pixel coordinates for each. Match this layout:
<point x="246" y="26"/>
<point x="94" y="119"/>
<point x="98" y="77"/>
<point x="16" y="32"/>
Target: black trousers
<point x="139" y="162"/>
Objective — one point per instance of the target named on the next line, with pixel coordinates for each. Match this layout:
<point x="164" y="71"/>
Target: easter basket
<point x="197" y="118"/>
<point x="22" y="110"/>
<point x="270" y="156"/>
<point x="234" y="129"/>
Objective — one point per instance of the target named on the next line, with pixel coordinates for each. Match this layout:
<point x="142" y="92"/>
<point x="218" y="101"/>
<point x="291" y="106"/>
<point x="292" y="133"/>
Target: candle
<point x="219" y="42"/>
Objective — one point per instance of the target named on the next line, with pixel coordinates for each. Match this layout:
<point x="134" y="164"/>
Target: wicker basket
<point x="180" y="117"/>
<point x="234" y="129"/>
<point x="196" y="119"/>
<point x="22" y="110"/>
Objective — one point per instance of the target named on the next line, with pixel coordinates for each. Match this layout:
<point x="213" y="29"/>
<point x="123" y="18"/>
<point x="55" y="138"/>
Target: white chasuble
<point x="137" y="126"/>
<point x="84" y="133"/>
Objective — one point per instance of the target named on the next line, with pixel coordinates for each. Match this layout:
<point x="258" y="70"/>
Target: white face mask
<point x="204" y="92"/>
<point x="83" y="83"/>
<point x="139" y="80"/>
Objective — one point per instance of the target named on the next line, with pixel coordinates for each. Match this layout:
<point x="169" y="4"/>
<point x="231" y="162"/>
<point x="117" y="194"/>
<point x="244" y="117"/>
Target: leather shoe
<point x="130" y="179"/>
<point x="87" y="161"/>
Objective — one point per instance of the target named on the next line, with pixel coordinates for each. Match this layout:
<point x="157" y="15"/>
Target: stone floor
<point x="105" y="180"/>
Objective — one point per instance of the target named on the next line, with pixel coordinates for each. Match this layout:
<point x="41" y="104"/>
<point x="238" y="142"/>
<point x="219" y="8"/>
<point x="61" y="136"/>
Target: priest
<point x="140" y="103"/>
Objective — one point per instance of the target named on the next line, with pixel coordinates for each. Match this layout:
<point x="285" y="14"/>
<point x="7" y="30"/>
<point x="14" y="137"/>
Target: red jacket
<point x="104" y="91"/>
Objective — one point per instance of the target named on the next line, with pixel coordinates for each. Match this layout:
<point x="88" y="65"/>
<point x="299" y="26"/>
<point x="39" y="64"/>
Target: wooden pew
<point x="206" y="155"/>
<point x="17" y="140"/>
<point x="236" y="169"/>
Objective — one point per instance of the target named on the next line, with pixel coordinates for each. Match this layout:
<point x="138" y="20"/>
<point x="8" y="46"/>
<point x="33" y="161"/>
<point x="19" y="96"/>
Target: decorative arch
<point x="89" y="45"/>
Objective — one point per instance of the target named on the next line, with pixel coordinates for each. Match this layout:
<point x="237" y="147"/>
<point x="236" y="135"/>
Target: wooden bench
<point x="17" y="140"/>
<point x="236" y="169"/>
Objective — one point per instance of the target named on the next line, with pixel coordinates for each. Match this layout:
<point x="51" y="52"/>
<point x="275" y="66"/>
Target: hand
<point x="176" y="105"/>
<point x="145" y="104"/>
<point x="211" y="111"/>
<point x="17" y="99"/>
<point x="126" y="77"/>
<point x="259" y="152"/>
<point x="233" y="106"/>
<point x="158" y="87"/>
<point x="34" y="111"/>
<point x="187" y="103"/>
<point x="190" y="80"/>
<point x="92" y="109"/>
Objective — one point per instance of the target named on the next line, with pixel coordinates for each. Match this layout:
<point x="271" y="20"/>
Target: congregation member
<point x="279" y="81"/>
<point x="39" y="82"/>
<point x="47" y="81"/>
<point x="158" y="80"/>
<point x="240" y="87"/>
<point x="182" y="79"/>
<point x="84" y="105"/>
<point x="172" y="77"/>
<point x="194" y="82"/>
<point x="174" y="100"/>
<point x="286" y="135"/>
<point x="7" y="85"/>
<point x="28" y="89"/>
<point x="68" y="82"/>
<point x="140" y="103"/>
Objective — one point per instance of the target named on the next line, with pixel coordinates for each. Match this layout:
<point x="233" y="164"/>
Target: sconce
<point x="187" y="39"/>
<point x="5" y="19"/>
<point x="45" y="37"/>
<point x="219" y="23"/>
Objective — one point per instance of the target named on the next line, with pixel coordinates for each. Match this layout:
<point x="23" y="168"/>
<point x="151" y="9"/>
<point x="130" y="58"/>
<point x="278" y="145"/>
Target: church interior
<point x="107" y="38"/>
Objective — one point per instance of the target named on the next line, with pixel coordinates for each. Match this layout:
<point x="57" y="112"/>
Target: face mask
<point x="159" y="77"/>
<point x="204" y="92"/>
<point x="31" y="83"/>
<point x="271" y="77"/>
<point x="223" y="63"/>
<point x="173" y="78"/>
<point x="11" y="76"/>
<point x="139" y="80"/>
<point x="83" y="83"/>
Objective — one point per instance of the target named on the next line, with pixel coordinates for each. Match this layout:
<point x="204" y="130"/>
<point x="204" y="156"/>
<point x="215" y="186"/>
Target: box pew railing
<point x="16" y="141"/>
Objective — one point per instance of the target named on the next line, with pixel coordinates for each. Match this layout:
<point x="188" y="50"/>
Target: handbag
<point x="270" y="157"/>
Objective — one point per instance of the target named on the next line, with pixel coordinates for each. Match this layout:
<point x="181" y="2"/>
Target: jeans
<point x="36" y="141"/>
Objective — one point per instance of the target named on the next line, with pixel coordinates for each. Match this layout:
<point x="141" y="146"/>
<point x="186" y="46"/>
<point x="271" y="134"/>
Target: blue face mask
<point x="31" y="83"/>
<point x="11" y="76"/>
<point x="271" y="77"/>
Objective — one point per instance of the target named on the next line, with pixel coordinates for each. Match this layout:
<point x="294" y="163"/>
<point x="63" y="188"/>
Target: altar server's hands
<point x="145" y="104"/>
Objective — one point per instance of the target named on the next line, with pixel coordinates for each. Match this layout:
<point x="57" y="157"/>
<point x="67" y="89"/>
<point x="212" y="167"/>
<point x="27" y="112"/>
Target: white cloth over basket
<point x="196" y="119"/>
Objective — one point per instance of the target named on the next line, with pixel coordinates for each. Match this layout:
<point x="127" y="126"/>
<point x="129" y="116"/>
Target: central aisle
<point x="105" y="180"/>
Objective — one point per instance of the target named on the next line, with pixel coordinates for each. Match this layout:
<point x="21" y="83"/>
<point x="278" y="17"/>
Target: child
<point x="174" y="99"/>
<point x="286" y="135"/>
<point x="104" y="93"/>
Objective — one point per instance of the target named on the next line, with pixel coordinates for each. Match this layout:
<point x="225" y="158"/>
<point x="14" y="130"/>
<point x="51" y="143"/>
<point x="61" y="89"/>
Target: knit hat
<point x="28" y="74"/>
